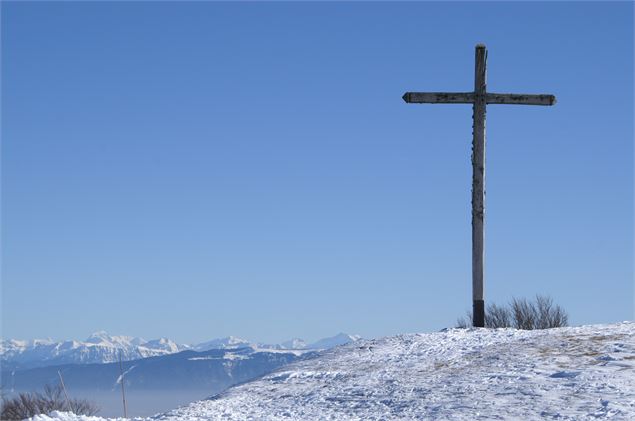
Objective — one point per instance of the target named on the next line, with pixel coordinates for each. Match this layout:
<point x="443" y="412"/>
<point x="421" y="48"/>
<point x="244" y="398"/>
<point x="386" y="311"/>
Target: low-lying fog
<point x="139" y="403"/>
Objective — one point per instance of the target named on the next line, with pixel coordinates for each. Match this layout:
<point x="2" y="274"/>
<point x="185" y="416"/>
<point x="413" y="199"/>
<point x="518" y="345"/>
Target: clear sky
<point x="195" y="170"/>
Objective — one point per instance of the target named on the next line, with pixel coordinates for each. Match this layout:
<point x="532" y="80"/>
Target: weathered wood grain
<point x="521" y="99"/>
<point x="439" y="97"/>
<point x="479" y="98"/>
<point x="468" y="98"/>
<point x="478" y="185"/>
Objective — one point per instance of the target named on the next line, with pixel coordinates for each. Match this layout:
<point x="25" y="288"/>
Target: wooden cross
<point x="479" y="98"/>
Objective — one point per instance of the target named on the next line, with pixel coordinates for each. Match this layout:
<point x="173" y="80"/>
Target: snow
<point x="222" y="343"/>
<point x="232" y="342"/>
<point x="577" y="373"/>
<point x="333" y="341"/>
<point x="296" y="352"/>
<point x="226" y="356"/>
<point x="295" y="343"/>
<point x="67" y="416"/>
<point x="101" y="347"/>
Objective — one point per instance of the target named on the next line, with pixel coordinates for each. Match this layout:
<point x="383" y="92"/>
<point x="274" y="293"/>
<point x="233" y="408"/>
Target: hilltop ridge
<point x="573" y="373"/>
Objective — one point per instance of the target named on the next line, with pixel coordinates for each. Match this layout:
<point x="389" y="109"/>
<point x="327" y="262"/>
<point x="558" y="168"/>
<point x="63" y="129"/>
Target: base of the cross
<point x="478" y="314"/>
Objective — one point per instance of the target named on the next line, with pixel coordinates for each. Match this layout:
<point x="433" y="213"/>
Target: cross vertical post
<point x="478" y="186"/>
<point x="479" y="99"/>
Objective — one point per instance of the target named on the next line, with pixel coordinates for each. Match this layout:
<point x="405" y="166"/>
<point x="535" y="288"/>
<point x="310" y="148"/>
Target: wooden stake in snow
<point x="123" y="390"/>
<point x="479" y="98"/>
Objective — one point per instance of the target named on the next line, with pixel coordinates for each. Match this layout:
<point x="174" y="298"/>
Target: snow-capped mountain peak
<point x="98" y="337"/>
<point x="295" y="343"/>
<point x="222" y="343"/>
<point x="166" y="345"/>
<point x="333" y="341"/>
<point x="103" y="338"/>
<point x="101" y="347"/>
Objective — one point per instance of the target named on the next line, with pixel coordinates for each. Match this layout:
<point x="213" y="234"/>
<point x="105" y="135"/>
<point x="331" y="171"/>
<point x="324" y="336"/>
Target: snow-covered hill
<point x="576" y="373"/>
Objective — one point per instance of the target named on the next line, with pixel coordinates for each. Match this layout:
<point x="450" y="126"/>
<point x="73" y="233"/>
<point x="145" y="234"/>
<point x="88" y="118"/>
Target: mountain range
<point x="570" y="373"/>
<point x="100" y="348"/>
<point x="158" y="374"/>
<point x="212" y="370"/>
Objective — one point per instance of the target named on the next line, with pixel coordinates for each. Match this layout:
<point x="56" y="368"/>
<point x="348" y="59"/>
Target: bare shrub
<point x="542" y="313"/>
<point x="549" y="315"/>
<point x="497" y="316"/>
<point x="524" y="314"/>
<point x="29" y="404"/>
<point x="521" y="313"/>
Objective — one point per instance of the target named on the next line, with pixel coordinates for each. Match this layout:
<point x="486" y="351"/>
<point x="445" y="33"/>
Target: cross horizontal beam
<point x="468" y="98"/>
<point x="439" y="97"/>
<point x="521" y="99"/>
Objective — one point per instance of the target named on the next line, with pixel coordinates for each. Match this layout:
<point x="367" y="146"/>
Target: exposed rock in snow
<point x="576" y="373"/>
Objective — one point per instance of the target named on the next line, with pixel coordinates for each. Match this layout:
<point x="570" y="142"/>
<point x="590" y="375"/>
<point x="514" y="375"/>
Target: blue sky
<point x="197" y="170"/>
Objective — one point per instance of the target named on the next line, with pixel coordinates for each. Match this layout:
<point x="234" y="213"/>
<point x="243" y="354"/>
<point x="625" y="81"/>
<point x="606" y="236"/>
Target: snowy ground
<point x="574" y="373"/>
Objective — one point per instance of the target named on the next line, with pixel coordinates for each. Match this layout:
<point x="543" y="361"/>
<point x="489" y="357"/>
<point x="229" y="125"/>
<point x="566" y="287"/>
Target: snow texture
<point x="577" y="373"/>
